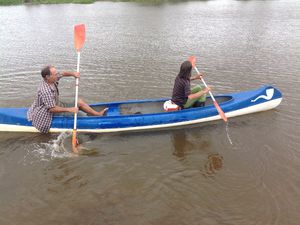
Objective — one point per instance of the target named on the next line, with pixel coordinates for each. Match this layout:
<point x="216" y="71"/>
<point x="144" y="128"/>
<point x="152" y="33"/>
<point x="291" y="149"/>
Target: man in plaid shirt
<point x="47" y="101"/>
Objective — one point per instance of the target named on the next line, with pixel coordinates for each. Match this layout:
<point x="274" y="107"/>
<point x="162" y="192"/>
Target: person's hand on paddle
<point x="76" y="74"/>
<point x="207" y="89"/>
<point x="68" y="74"/>
<point x="197" y="77"/>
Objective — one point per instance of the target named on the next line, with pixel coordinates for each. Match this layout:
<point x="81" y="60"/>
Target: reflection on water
<point x="182" y="147"/>
<point x="214" y="163"/>
<point x="181" y="144"/>
<point x="64" y="175"/>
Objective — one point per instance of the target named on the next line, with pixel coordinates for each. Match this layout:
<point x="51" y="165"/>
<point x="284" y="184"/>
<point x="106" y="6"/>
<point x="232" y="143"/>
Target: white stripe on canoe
<point x="252" y="109"/>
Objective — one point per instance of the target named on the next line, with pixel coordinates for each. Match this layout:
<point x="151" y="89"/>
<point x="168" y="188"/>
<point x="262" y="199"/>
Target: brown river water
<point x="245" y="173"/>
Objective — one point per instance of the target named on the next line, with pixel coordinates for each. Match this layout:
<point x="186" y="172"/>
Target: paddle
<point x="192" y="59"/>
<point x="79" y="37"/>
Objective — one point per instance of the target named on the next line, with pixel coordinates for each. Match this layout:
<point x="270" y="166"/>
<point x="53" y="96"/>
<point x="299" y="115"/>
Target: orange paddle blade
<point x="79" y="36"/>
<point x="192" y="60"/>
<point x="221" y="113"/>
<point x="74" y="142"/>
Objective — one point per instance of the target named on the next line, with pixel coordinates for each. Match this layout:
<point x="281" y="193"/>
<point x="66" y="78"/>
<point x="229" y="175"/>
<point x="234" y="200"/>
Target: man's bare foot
<point x="103" y="112"/>
<point x="96" y="113"/>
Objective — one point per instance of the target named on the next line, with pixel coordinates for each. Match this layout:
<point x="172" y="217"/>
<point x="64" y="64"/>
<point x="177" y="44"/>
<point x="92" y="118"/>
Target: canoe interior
<point x="150" y="107"/>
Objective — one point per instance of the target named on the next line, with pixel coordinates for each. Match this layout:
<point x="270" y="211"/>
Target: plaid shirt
<point x="38" y="113"/>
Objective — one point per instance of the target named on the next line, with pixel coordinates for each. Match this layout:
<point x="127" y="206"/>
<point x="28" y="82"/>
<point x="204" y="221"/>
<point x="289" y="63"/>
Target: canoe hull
<point x="237" y="104"/>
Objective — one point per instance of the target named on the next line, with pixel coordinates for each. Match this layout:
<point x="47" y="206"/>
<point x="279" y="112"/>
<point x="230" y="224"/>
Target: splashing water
<point x="52" y="150"/>
<point x="56" y="147"/>
<point x="227" y="132"/>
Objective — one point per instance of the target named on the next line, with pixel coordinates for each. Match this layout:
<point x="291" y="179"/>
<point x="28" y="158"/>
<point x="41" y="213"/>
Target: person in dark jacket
<point x="183" y="95"/>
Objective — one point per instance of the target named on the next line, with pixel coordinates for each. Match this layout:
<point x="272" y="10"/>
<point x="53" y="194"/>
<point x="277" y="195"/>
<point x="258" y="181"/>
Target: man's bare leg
<point x="86" y="108"/>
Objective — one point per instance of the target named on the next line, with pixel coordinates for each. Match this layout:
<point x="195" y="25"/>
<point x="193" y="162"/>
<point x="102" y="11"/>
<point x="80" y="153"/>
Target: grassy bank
<point x="19" y="2"/>
<point x="11" y="2"/>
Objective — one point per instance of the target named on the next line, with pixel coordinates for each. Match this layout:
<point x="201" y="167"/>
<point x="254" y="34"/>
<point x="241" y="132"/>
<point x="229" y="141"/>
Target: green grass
<point x="18" y="2"/>
<point x="60" y="1"/>
<point x="11" y="2"/>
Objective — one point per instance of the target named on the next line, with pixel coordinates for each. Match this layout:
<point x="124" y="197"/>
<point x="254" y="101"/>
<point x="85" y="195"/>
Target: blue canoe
<point x="148" y="114"/>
